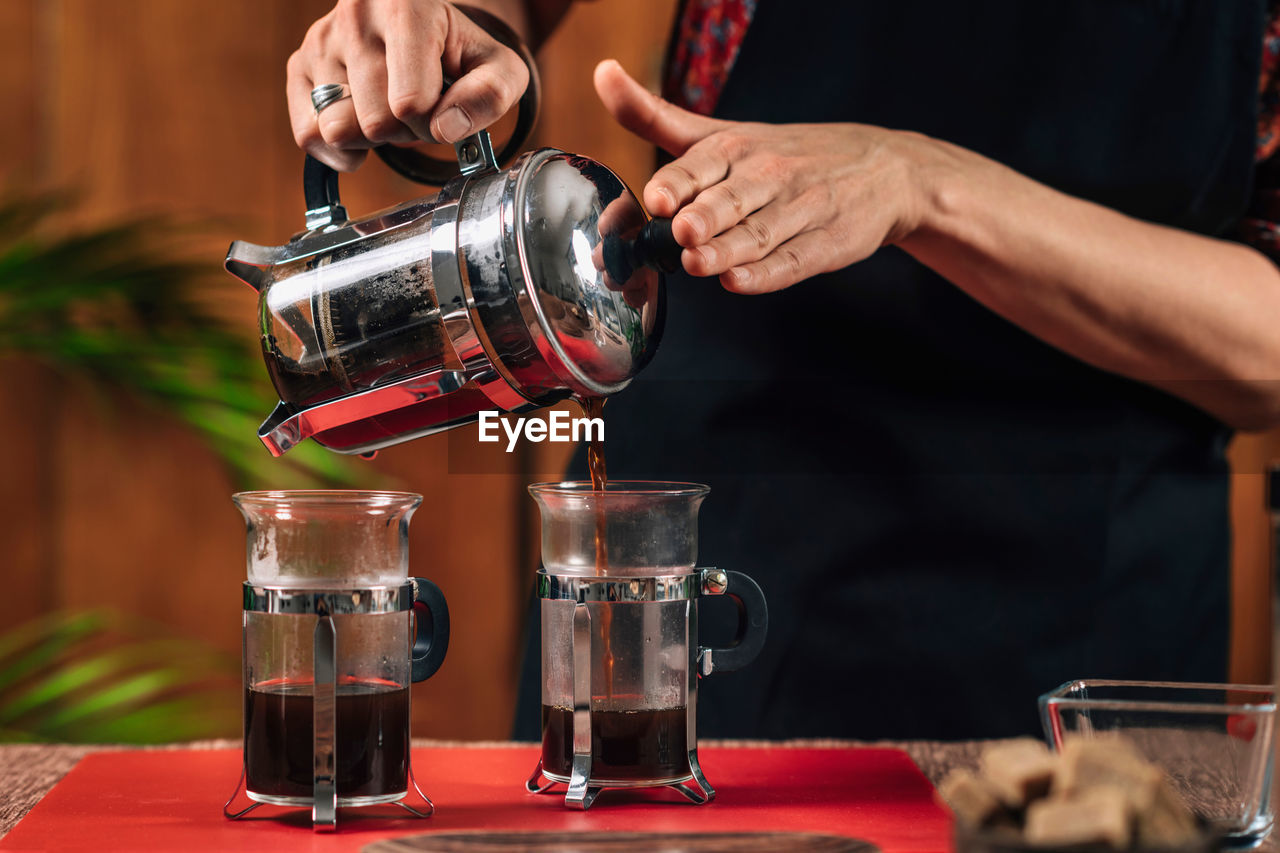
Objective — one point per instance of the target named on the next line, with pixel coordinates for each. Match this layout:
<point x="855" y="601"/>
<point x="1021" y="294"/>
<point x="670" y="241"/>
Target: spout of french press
<point x="251" y="263"/>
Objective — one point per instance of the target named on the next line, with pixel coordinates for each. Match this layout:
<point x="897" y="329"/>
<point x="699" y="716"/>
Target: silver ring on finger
<point x="328" y="94"/>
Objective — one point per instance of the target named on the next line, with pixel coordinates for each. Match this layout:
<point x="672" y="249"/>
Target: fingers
<point x="677" y="183"/>
<point x="488" y="79"/>
<point x="339" y="128"/>
<point x="748" y="241"/>
<point x="394" y="56"/>
<point x="710" y="192"/>
<point x="414" y="78"/>
<point x="302" y="115"/>
<point x="799" y="258"/>
<point x="479" y="98"/>
<point x="376" y="123"/>
<point x="338" y="119"/>
<point x="648" y="116"/>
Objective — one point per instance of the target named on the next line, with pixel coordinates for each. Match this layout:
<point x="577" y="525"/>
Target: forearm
<point x="766" y="206"/>
<point x="1190" y="314"/>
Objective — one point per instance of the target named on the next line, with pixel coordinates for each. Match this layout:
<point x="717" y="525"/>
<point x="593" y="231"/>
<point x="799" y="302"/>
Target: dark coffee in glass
<point x="626" y="746"/>
<point x="371" y="740"/>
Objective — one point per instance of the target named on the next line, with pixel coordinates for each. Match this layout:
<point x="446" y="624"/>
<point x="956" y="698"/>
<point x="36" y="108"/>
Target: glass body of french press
<point x="334" y="634"/>
<point x="619" y="591"/>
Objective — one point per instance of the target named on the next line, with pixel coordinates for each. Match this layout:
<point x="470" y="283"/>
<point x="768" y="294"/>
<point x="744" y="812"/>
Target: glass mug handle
<point x="431" y="634"/>
<point x="753" y="621"/>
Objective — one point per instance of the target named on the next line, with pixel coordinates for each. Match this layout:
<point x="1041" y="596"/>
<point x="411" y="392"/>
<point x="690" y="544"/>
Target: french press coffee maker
<point x="619" y="591"/>
<point x="512" y="289"/>
<point x="328" y="653"/>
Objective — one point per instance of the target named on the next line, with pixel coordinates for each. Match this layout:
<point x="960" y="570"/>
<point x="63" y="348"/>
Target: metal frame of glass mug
<point x="581" y="590"/>
<point x="325" y="604"/>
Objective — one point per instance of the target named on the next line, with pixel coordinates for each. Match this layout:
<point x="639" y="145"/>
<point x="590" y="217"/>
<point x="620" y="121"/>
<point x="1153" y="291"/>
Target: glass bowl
<point x="1214" y="741"/>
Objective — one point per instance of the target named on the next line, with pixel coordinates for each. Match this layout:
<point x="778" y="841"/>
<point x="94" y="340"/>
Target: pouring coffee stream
<point x="592" y="408"/>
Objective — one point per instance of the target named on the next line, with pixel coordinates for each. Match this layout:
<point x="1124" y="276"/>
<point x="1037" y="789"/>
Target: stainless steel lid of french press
<point x="559" y="290"/>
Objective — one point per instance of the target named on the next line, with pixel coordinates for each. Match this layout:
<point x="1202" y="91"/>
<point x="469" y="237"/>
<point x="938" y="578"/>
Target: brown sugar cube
<point x="1162" y="819"/>
<point x="1097" y="816"/>
<point x="1020" y="771"/>
<point x="973" y="800"/>
<point x="1090" y="762"/>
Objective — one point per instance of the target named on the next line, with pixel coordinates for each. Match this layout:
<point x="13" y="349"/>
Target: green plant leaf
<point x="91" y="667"/>
<point x="42" y="641"/>
<point x="187" y="718"/>
<point x="124" y="693"/>
<point x="98" y="672"/>
<point x="126" y="307"/>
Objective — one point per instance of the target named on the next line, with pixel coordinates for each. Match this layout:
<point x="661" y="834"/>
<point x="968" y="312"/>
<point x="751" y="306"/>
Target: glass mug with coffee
<point x="619" y="591"/>
<point x="335" y="631"/>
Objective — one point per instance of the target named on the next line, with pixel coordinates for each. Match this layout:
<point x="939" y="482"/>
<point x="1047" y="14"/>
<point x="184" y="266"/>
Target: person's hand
<point x="764" y="206"/>
<point x="394" y="55"/>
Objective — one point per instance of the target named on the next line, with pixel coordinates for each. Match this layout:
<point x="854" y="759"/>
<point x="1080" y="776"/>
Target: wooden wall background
<point x="177" y="107"/>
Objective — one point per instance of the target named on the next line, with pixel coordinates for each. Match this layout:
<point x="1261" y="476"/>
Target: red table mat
<point x="172" y="800"/>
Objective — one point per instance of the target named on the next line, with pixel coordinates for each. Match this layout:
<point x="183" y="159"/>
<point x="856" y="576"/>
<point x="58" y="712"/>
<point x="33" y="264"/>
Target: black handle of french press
<point x="431" y="635"/>
<point x="319" y="185"/>
<point x="753" y="624"/>
<point x="656" y="246"/>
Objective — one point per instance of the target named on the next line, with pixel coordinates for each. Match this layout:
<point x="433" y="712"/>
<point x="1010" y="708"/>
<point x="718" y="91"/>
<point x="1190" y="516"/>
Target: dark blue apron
<point x="948" y="516"/>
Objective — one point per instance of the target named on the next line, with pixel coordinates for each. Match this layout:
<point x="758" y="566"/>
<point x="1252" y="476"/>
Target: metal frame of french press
<point x="324" y="605"/>
<point x="703" y="660"/>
